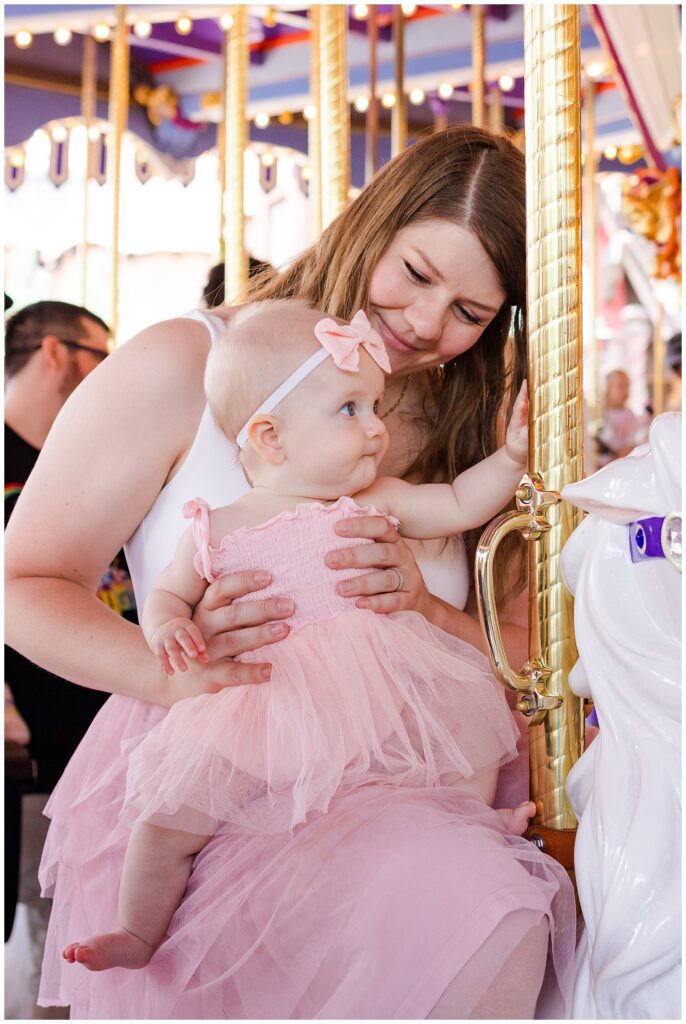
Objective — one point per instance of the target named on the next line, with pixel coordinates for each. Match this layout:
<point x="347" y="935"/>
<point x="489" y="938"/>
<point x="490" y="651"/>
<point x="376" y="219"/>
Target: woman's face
<point x="432" y="294"/>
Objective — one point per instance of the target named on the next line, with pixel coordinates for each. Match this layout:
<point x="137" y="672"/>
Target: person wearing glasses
<point x="50" y="347"/>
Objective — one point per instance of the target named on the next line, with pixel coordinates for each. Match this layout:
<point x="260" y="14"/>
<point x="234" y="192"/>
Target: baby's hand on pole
<point x="175" y="641"/>
<point x="517" y="436"/>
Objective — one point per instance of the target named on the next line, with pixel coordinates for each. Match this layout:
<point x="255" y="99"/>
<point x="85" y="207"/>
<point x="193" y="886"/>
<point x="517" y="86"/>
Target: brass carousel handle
<point x="533" y="502"/>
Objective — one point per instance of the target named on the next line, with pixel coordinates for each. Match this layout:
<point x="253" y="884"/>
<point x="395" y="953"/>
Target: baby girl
<point x="355" y="698"/>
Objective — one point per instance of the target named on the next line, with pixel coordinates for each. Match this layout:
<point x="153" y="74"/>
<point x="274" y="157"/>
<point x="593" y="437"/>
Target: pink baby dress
<point x="345" y="880"/>
<point x="355" y="698"/>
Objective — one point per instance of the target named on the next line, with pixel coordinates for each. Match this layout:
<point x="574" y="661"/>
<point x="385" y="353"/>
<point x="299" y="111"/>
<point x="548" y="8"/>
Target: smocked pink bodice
<point x="291" y="546"/>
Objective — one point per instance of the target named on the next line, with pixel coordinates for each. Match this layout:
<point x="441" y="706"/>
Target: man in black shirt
<point x="50" y="347"/>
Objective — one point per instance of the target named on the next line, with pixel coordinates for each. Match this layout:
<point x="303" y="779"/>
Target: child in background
<point x="622" y="430"/>
<point x="354" y="698"/>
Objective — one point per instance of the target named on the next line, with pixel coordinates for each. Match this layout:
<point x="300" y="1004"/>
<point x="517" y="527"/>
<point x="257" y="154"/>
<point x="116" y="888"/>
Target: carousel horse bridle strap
<point x="656" y="537"/>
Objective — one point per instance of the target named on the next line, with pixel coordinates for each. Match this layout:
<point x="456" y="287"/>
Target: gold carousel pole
<point x="117" y="116"/>
<point x="314" y="126"/>
<point x="89" y="70"/>
<point x="237" y="57"/>
<point x="478" y="66"/>
<point x="335" y="127"/>
<point x="591" y="220"/>
<point x="552" y="104"/>
<point x="372" y="121"/>
<point x="221" y="150"/>
<point x="496" y="117"/>
<point x="399" y="111"/>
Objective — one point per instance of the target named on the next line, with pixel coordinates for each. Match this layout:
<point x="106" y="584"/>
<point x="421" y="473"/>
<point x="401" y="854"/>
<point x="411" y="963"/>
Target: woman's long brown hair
<point x="472" y="178"/>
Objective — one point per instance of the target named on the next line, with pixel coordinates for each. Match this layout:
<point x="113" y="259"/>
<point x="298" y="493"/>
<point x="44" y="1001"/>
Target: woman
<point x="434" y="250"/>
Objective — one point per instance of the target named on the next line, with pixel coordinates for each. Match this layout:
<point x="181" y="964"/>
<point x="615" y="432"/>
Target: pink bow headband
<point x="340" y="341"/>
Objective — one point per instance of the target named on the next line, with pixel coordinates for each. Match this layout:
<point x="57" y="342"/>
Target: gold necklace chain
<point x="396" y="404"/>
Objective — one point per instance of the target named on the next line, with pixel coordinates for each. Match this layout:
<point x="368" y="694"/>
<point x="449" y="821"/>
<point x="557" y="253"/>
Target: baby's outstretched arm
<point x="166" y="620"/>
<point x="439" y="510"/>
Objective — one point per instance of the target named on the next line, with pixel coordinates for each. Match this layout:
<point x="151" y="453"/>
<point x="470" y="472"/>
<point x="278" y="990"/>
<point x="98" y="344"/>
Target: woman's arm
<point x="111" y="449"/>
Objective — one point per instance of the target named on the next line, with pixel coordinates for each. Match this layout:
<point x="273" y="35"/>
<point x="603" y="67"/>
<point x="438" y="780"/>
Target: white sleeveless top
<point x="211" y="470"/>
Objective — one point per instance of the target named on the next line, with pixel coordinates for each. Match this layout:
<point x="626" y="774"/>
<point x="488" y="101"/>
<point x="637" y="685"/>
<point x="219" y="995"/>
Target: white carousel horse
<point x="626" y="787"/>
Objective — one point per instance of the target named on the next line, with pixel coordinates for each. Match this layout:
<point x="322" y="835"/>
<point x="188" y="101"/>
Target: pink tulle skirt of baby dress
<point x="345" y="878"/>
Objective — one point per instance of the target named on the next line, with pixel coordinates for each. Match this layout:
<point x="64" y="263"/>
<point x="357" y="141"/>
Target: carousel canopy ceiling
<point x="632" y="51"/>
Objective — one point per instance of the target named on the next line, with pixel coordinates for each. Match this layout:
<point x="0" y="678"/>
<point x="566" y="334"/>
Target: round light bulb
<point x="309" y="112"/>
<point x="360" y="11"/>
<point x="93" y="134"/>
<point x="23" y="39"/>
<point x="261" y="120"/>
<point x="361" y="104"/>
<point x="268" y="159"/>
<point x="610" y="152"/>
<point x="417" y="96"/>
<point x="506" y="83"/>
<point x="226" y="21"/>
<point x="17" y="158"/>
<point x="269" y="20"/>
<point x="457" y="7"/>
<point x="101" y="32"/>
<point x="596" y="69"/>
<point x="62" y="36"/>
<point x="306" y="173"/>
<point x="143" y="29"/>
<point x="59" y="133"/>
<point x="183" y="25"/>
<point x="408" y="9"/>
<point x="285" y="117"/>
<point x="388" y="100"/>
<point x="445" y="90"/>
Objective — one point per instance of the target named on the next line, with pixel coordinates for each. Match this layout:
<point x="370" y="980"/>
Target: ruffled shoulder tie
<point x="199" y="511"/>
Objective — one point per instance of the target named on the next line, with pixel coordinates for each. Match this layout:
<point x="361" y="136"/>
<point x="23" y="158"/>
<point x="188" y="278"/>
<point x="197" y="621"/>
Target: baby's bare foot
<point x="114" y="949"/>
<point x="516" y="819"/>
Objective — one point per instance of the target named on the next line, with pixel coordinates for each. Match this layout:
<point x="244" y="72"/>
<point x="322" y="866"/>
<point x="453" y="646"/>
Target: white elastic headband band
<point x="276" y="397"/>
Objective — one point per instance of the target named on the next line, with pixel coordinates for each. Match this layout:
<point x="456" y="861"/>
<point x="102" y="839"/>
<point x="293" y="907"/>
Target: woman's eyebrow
<point x="436" y="272"/>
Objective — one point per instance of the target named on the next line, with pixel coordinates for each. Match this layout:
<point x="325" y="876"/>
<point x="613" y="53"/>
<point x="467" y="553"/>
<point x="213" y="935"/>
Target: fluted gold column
<point x="88" y="112"/>
<point x="314" y="126"/>
<point x="478" y="66"/>
<point x="237" y="58"/>
<point x="553" y="178"/>
<point x="335" y="121"/>
<point x="591" y="225"/>
<point x="372" y="119"/>
<point x="118" y="110"/>
<point x="221" y="150"/>
<point x="399" y="111"/>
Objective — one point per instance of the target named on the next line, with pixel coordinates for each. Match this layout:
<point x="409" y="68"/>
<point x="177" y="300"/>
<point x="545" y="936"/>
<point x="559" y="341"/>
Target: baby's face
<point x="332" y="436"/>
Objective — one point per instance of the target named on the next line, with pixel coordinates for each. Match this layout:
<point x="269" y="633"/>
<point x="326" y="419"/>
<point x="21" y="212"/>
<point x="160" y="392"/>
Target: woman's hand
<point x="394" y="560"/>
<point x="230" y="629"/>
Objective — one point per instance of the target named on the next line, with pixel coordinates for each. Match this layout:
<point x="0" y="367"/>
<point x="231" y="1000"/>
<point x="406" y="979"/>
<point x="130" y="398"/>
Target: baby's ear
<point x="264" y="438"/>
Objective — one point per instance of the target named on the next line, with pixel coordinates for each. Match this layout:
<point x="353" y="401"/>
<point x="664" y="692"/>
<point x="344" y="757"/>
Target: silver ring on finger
<point x="401" y="580"/>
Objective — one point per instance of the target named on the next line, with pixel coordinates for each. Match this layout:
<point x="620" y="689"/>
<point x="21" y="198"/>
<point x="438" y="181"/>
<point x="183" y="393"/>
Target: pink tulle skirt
<point x="353" y="699"/>
<point x="369" y="908"/>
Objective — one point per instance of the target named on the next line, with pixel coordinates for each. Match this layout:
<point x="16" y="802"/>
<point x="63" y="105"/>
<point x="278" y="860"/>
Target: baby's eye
<point x="377" y="406"/>
<point x="348" y="409"/>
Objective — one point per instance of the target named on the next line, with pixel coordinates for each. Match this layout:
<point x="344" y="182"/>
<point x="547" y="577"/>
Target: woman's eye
<point x="348" y="409"/>
<point x="414" y="274"/>
<point x="469" y="317"/>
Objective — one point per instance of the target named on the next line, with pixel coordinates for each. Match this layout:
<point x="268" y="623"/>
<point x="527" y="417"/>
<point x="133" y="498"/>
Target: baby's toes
<point x="69" y="953"/>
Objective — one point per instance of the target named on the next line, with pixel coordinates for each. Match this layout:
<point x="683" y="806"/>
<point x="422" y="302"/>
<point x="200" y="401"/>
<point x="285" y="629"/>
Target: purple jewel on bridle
<point x="656" y="537"/>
